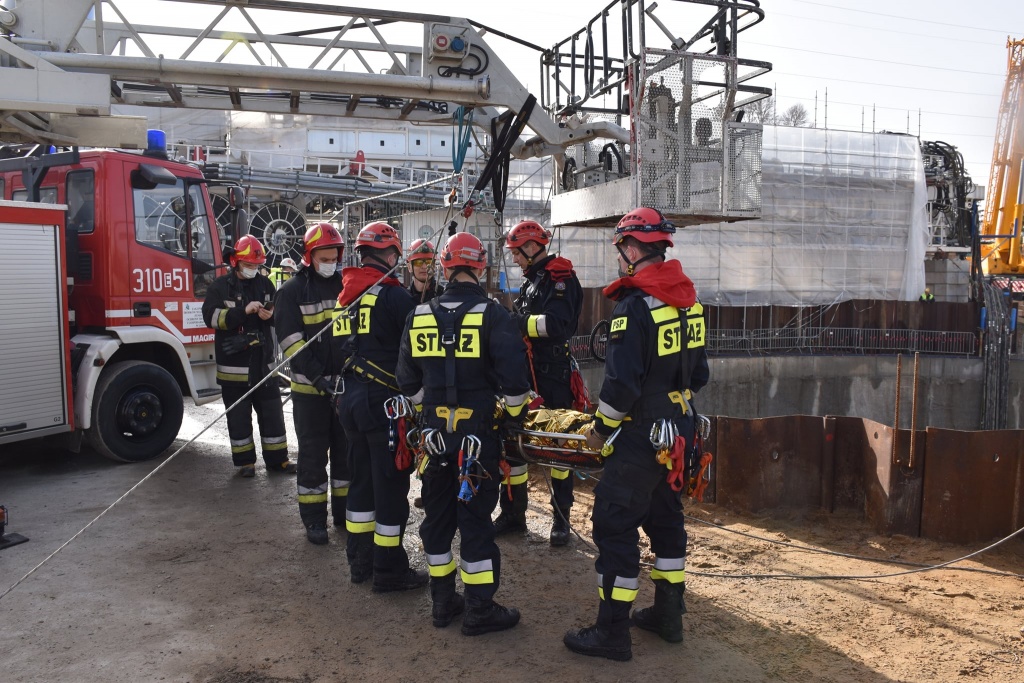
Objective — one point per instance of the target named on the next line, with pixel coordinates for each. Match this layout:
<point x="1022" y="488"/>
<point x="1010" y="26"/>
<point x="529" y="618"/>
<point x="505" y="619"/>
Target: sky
<point x="930" y="67"/>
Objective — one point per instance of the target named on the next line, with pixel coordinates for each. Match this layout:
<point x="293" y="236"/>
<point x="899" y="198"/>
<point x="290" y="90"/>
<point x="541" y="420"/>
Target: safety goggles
<point x="422" y="262"/>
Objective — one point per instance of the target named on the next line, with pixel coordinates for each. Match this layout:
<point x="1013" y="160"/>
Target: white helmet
<point x="288" y="263"/>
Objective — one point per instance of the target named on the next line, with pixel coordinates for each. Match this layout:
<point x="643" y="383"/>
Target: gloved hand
<point x="509" y="421"/>
<point x="235" y="344"/>
<point x="323" y="386"/>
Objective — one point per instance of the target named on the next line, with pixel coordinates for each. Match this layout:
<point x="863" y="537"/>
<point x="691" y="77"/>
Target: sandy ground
<point x="201" y="576"/>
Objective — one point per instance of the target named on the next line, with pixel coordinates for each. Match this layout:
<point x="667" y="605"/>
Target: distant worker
<point x="239" y="306"/>
<point x="378" y="503"/>
<point x="655" y="360"/>
<point x="547" y="313"/>
<point x="456" y="385"/>
<point x="283" y="272"/>
<point x="927" y="295"/>
<point x="421" y="263"/>
<point x="305" y="304"/>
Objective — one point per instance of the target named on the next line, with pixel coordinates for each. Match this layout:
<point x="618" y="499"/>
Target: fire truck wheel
<point x="136" y="413"/>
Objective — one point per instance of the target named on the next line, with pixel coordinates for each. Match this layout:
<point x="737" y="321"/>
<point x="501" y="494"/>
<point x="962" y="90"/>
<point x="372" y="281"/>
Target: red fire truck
<point x="106" y="259"/>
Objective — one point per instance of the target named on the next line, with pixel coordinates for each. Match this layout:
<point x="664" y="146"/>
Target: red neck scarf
<point x="355" y="281"/>
<point x="665" y="280"/>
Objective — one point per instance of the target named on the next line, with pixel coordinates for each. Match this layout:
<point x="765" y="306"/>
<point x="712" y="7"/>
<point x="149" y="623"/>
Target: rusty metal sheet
<point x="972" y="485"/>
<point x="893" y="491"/>
<point x="848" y="473"/>
<point x="770" y="462"/>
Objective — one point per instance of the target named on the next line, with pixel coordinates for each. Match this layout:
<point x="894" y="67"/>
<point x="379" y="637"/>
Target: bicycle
<point x="599" y="340"/>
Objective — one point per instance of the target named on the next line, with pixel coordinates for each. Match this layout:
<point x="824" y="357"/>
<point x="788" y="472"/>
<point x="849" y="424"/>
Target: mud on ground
<point x="200" y="576"/>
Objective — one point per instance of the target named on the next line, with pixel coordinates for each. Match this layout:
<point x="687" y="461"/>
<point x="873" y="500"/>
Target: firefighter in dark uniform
<point x="239" y="307"/>
<point x="421" y="261"/>
<point x="547" y="312"/>
<point x="305" y="304"/>
<point x="458" y="353"/>
<point x="656" y="359"/>
<point x="378" y="505"/>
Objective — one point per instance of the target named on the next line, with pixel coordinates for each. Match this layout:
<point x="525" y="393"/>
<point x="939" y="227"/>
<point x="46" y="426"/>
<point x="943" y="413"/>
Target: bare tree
<point x="762" y="111"/>
<point x="794" y="116"/>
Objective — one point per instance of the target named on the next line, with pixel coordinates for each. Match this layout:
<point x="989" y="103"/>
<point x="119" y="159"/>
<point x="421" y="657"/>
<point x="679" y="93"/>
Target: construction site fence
<point x="817" y="341"/>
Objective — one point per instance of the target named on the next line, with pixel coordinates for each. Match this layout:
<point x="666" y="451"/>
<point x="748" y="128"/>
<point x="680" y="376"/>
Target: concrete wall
<point x="948" y="278"/>
<point x="949" y="389"/>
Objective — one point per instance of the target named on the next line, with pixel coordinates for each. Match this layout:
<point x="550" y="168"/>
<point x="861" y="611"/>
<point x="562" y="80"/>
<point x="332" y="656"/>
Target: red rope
<point x="677" y="474"/>
<point x="403" y="456"/>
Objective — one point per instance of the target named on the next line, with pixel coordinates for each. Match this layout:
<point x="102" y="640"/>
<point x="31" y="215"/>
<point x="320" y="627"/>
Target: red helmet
<point x="379" y="236"/>
<point x="248" y="250"/>
<point x="527" y="231"/>
<point x="463" y="249"/>
<point x="422" y="249"/>
<point x="321" y="236"/>
<point x="646" y="225"/>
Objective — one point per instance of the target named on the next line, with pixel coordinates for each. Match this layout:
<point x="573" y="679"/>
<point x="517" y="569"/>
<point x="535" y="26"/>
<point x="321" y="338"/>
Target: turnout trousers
<point x="266" y="401"/>
<point x="322" y="443"/>
<point x="480" y="559"/>
<point x="378" y="503"/>
<point x="633" y="493"/>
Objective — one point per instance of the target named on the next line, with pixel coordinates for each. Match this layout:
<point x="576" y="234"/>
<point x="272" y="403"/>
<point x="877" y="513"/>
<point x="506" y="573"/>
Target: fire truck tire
<point x="136" y="412"/>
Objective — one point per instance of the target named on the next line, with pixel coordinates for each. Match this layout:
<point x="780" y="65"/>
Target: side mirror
<point x="236" y="197"/>
<point x="148" y="176"/>
<point x="239" y="224"/>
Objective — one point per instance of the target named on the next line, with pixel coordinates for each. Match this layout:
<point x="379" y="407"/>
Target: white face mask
<point x="247" y="272"/>
<point x="326" y="269"/>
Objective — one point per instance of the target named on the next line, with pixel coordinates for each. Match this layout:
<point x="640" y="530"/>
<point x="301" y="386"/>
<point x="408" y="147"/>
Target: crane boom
<point x="1002" y="222"/>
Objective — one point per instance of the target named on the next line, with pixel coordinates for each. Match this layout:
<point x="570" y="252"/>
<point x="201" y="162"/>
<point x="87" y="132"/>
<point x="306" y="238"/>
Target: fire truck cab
<point x="139" y="246"/>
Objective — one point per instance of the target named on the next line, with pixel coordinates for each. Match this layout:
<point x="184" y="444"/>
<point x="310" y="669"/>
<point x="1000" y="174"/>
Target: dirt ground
<point x="200" y="576"/>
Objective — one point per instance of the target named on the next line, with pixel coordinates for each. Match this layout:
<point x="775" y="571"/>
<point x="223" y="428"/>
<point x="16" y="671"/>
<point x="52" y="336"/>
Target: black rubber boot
<point x="560" y="530"/>
<point x="411" y="579"/>
<point x="513" y="512"/>
<point x="596" y="641"/>
<point x="316" y="533"/>
<point x="666" y="616"/>
<point x="489" y="618"/>
<point x="448" y="603"/>
<point x="508" y="523"/>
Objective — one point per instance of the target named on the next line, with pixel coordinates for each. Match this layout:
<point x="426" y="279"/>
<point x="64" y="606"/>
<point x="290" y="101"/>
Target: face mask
<point x="247" y="273"/>
<point x="326" y="269"/>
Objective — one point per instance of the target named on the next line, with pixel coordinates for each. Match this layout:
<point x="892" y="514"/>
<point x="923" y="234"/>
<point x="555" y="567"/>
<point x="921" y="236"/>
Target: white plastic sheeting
<point x="843" y="216"/>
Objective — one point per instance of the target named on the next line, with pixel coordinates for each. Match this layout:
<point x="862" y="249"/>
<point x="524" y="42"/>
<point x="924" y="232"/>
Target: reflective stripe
<point x="609" y="412"/>
<point x="606" y="421"/>
<point x="291" y="339"/>
<point x="312" y="498"/>
<point x="242" y="445"/>
<point x="475" y="573"/>
<point x="242" y="442"/>
<point x="388" y="536"/>
<point x="311" y="309"/>
<point x="624" y="589"/>
<point x="670" y="569"/>
<point x="417" y="398"/>
<point x="273" y="443"/>
<point x="665" y="313"/>
<point x="517" y="475"/>
<point x="220" y="318"/>
<point x="339" y="488"/>
<point x="316" y="319"/>
<point x="305" y="389"/>
<point x="537" y="326"/>
<point x="559" y="474"/>
<point x="322" y="488"/>
<point x="441" y="565"/>
<point x="229" y="373"/>
<point x="359" y="522"/>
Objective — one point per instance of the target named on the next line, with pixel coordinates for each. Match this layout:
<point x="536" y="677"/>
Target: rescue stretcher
<point x="554" y="438"/>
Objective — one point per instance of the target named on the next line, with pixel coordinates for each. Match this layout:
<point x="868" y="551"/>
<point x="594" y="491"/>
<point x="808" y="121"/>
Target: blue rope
<point x="460" y="139"/>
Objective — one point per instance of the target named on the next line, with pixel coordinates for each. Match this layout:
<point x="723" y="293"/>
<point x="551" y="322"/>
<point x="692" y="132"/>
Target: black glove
<point x="235" y="344"/>
<point x="323" y="386"/>
<point x="509" y="421"/>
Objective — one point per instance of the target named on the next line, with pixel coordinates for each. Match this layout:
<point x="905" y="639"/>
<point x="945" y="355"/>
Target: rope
<point x="460" y="139"/>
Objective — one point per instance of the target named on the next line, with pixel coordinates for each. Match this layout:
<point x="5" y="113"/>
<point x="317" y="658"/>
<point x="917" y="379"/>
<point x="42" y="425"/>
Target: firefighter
<point x="421" y="260"/>
<point x="239" y="307"/>
<point x="305" y="304"/>
<point x="656" y="359"/>
<point x="378" y="505"/>
<point x="547" y="312"/>
<point x="458" y="352"/>
<point x="283" y="272"/>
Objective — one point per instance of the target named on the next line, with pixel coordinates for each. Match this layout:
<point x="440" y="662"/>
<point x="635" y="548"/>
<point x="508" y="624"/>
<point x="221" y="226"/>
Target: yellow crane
<point x="1004" y="203"/>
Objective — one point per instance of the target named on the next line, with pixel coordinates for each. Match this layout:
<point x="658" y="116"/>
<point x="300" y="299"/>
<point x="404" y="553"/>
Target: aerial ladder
<point x="631" y="111"/>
